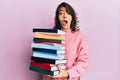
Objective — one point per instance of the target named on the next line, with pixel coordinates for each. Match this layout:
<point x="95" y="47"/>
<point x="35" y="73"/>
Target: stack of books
<point x="48" y="51"/>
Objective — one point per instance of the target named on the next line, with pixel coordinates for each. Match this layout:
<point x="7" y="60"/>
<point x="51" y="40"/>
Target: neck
<point x="65" y="30"/>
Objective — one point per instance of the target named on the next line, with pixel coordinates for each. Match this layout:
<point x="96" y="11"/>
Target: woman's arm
<point x="80" y="64"/>
<point x="82" y="60"/>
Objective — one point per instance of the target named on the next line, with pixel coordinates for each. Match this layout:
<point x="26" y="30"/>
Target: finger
<point x="53" y="76"/>
<point x="59" y="68"/>
<point x="57" y="76"/>
<point x="49" y="76"/>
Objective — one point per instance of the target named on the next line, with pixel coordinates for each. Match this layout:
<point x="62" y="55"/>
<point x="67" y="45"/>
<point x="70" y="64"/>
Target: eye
<point x="61" y="12"/>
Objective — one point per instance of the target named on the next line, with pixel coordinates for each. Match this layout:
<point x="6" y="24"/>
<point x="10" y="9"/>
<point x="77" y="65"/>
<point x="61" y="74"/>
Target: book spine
<point x="48" y="56"/>
<point x="49" y="36"/>
<point x="43" y="63"/>
<point x="37" y="40"/>
<point x="47" y="66"/>
<point x="37" y="59"/>
<point x="42" y="71"/>
<point x="44" y="50"/>
<point x="49" y="50"/>
<point x="45" y="30"/>
<point x="50" y="61"/>
<point x="48" y="30"/>
<point x="54" y="47"/>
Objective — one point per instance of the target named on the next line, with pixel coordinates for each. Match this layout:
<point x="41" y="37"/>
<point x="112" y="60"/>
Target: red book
<point x="46" y="66"/>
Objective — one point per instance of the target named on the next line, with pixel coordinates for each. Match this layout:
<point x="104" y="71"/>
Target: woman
<point x="76" y="47"/>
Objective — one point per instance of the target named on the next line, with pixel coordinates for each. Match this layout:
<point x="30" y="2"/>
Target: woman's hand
<point x="62" y="73"/>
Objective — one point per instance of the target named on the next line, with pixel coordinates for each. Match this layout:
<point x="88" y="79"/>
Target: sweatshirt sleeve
<point x="81" y="62"/>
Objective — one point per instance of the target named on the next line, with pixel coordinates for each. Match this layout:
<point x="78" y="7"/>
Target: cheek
<point x="70" y="19"/>
<point x="60" y="19"/>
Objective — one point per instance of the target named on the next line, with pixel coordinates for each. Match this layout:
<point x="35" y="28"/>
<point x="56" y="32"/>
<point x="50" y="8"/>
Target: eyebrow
<point x="60" y="10"/>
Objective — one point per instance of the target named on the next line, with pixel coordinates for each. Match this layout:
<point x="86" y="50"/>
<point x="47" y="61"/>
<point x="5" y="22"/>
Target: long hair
<point x="70" y="11"/>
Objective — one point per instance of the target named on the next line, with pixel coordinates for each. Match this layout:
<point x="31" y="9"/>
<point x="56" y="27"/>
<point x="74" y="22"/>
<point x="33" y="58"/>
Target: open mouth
<point x="65" y="22"/>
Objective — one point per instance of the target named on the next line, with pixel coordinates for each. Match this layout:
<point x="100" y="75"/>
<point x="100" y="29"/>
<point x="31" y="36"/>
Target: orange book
<point x="50" y="36"/>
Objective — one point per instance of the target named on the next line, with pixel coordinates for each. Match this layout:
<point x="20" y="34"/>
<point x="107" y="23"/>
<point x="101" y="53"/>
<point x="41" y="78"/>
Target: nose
<point x="65" y="15"/>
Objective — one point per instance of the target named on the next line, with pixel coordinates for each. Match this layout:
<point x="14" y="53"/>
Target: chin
<point x="65" y="27"/>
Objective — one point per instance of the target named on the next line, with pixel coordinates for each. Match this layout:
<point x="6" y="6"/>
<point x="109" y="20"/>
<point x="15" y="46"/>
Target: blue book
<point x="47" y="46"/>
<point x="43" y="71"/>
<point x="49" y="50"/>
<point x="48" y="55"/>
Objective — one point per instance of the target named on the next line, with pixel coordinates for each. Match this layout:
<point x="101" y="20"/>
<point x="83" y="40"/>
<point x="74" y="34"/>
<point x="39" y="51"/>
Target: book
<point x="49" y="36"/>
<point x="48" y="30"/>
<point x="43" y="71"/>
<point x="37" y="40"/>
<point x="50" y="43"/>
<point x="46" y="46"/>
<point x="50" y="61"/>
<point x="48" y="55"/>
<point x="49" y="50"/>
<point x="46" y="66"/>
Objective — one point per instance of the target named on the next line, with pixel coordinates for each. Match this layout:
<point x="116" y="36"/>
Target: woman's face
<point x="64" y="19"/>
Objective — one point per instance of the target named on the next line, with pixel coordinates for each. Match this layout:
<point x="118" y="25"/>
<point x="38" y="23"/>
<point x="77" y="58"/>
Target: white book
<point x="54" y="68"/>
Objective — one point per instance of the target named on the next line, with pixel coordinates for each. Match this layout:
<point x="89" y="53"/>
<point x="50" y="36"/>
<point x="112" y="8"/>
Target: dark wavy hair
<point x="70" y="11"/>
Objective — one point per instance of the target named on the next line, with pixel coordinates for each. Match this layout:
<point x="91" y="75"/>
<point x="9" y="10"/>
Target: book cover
<point x="46" y="46"/>
<point x="37" y="40"/>
<point x="49" y="50"/>
<point x="50" y="61"/>
<point x="48" y="30"/>
<point x="48" y="55"/>
<point x="46" y="66"/>
<point x="42" y="71"/>
<point x="49" y="36"/>
<point x="43" y="63"/>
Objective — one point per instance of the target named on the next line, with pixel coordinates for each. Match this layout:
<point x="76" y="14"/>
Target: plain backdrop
<point x="98" y="19"/>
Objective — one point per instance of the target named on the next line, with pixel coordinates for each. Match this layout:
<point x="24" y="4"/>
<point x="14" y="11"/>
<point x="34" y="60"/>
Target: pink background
<point x="99" y="20"/>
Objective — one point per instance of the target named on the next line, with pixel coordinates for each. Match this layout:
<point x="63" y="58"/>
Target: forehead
<point x="62" y="9"/>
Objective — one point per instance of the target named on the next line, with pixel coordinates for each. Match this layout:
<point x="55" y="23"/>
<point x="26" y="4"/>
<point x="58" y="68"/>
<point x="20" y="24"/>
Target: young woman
<point x="76" y="47"/>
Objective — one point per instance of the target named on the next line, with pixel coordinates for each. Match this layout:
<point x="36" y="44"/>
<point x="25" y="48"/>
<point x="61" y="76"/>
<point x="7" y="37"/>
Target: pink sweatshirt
<point x="76" y="55"/>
